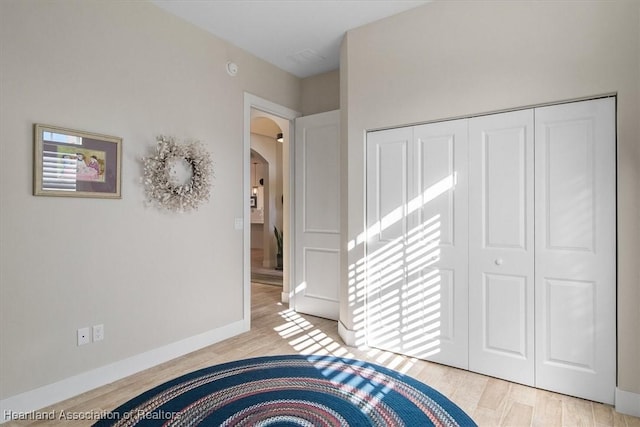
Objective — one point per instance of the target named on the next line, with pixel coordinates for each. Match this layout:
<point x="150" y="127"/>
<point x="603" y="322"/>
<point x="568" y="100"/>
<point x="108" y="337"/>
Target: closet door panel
<point x="388" y="225"/>
<point x="439" y="252"/>
<point x="504" y="181"/>
<point x="505" y="324"/>
<point x="390" y="192"/>
<point x="417" y="241"/>
<point x="570" y="332"/>
<point x="575" y="249"/>
<point x="437" y="173"/>
<point x="501" y="281"/>
<point x="569" y="156"/>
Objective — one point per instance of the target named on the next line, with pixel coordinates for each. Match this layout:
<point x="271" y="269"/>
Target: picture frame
<point x="73" y="163"/>
<point x="253" y="202"/>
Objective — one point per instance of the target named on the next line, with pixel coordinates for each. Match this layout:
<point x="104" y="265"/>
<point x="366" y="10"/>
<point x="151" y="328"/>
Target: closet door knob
<point x="499" y="261"/>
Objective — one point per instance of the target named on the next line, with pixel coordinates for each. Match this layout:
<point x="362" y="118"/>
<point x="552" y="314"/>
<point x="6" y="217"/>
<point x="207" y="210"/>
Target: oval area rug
<point x="291" y="390"/>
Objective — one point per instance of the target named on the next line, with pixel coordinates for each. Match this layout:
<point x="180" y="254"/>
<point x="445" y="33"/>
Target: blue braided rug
<point x="295" y="390"/>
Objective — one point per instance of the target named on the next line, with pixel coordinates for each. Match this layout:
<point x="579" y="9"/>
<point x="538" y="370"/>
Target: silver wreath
<point x="164" y="192"/>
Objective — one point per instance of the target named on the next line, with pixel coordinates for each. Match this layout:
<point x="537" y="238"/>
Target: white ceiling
<point x="299" y="36"/>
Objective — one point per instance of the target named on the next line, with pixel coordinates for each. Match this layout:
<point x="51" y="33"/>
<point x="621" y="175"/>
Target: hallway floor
<point x="261" y="274"/>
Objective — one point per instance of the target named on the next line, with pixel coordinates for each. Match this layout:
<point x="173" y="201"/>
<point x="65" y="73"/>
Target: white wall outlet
<point x="98" y="333"/>
<point x="83" y="336"/>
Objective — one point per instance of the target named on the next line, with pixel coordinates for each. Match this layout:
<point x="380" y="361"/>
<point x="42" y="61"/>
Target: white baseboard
<point x="347" y="335"/>
<point x="42" y="397"/>
<point x="284" y="298"/>
<point x="627" y="402"/>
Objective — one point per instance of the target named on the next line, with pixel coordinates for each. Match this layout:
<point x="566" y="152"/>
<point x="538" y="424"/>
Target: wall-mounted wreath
<point x="178" y="177"/>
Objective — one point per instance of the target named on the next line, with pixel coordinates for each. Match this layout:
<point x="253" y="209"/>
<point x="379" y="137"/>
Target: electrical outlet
<point x="98" y="333"/>
<point x="83" y="336"/>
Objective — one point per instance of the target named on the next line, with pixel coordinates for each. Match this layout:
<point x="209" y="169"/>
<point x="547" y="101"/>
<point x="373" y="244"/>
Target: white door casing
<point x="317" y="215"/>
<point x="417" y="244"/>
<point x="501" y="246"/>
<point x="575" y="249"/>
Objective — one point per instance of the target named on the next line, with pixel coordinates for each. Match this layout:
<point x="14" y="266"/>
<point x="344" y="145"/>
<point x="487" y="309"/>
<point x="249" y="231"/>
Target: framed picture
<point x="253" y="202"/>
<point x="71" y="163"/>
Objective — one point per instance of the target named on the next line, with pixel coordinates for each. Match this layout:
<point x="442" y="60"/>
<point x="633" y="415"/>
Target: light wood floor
<point x="277" y="330"/>
<point x="261" y="274"/>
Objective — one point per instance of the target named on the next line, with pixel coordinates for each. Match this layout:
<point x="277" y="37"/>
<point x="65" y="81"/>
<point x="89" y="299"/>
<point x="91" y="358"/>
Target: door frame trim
<point x="499" y="111"/>
<point x="255" y="102"/>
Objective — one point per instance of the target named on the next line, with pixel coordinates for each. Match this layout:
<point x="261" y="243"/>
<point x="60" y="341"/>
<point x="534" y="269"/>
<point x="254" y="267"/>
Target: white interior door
<point x="575" y="249"/>
<point x="417" y="244"/>
<point x="317" y="215"/>
<point x="501" y="245"/>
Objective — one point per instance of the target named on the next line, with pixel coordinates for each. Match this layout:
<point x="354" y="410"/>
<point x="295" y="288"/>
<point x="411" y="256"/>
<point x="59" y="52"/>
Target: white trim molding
<point x="285" y="297"/>
<point x="347" y="335"/>
<point x="33" y="400"/>
<point x="627" y="402"/>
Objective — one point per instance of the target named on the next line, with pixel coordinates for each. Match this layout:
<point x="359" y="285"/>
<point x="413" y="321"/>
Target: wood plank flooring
<point x="278" y="330"/>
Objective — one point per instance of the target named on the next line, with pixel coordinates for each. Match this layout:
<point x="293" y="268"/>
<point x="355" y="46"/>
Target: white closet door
<point x="388" y="194"/>
<point x="417" y="246"/>
<point x="436" y="318"/>
<point x="501" y="244"/>
<point x="575" y="249"/>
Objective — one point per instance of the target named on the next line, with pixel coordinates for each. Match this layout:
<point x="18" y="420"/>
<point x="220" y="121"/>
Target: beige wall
<point x="453" y="59"/>
<point x="152" y="278"/>
<point x="320" y="93"/>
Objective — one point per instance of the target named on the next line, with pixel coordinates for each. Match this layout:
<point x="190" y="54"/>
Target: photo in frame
<point x="72" y="163"/>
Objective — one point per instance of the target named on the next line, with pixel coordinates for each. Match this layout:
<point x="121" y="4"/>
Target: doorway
<point x="266" y="200"/>
<point x="259" y="108"/>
